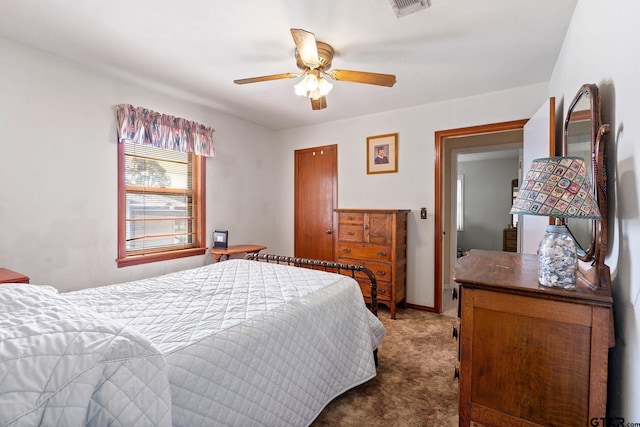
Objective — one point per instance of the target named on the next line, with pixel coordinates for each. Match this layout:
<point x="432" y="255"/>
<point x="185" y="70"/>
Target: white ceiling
<point x="196" y="48"/>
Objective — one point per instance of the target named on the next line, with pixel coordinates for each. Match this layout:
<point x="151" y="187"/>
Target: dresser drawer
<point x="382" y="271"/>
<point x="350" y="233"/>
<point x="384" y="289"/>
<point x="351" y="217"/>
<point x="364" y="251"/>
<point x="510" y="246"/>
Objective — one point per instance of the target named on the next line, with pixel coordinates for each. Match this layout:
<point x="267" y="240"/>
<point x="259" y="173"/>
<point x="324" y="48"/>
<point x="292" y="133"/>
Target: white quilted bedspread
<point x="64" y="365"/>
<point x="249" y="343"/>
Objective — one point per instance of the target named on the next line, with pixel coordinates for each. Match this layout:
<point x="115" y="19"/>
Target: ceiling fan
<point x="314" y="59"/>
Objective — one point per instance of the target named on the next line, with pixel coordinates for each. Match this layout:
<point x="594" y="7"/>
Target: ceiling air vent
<point x="407" y="7"/>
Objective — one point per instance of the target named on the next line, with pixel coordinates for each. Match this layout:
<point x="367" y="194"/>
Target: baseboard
<point x="421" y="307"/>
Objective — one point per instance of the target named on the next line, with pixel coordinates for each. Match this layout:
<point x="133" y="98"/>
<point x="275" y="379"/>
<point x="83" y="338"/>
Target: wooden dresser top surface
<point x="516" y="273"/>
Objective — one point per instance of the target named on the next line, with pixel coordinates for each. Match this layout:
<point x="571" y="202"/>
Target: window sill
<point x="160" y="256"/>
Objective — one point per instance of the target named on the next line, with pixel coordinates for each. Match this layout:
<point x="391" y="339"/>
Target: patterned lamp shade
<point x="557" y="187"/>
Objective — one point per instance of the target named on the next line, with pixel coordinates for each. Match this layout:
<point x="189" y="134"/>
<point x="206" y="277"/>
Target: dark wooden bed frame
<point x="334" y="267"/>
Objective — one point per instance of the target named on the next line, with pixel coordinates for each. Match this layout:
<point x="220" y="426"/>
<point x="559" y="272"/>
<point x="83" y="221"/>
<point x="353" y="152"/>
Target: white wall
<point x="487" y="201"/>
<point x="602" y="47"/>
<point x="58" y="172"/>
<point x="413" y="186"/>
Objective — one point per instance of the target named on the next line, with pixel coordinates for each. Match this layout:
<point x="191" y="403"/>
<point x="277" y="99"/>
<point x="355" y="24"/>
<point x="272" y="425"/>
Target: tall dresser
<point x="510" y="239"/>
<point x="376" y="238"/>
<point x="529" y="355"/>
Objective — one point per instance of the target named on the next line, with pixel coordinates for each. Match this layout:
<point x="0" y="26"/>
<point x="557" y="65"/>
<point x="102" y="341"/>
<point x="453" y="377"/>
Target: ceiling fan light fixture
<point x="324" y="87"/>
<point x="313" y="87"/>
<point x="308" y="84"/>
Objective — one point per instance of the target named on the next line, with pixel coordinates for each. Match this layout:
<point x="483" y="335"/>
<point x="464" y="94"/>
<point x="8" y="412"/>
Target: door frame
<point x="439" y="146"/>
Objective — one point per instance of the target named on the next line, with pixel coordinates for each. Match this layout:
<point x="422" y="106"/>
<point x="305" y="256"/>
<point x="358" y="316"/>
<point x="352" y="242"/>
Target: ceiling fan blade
<point x="266" y="78"/>
<point x="363" y="77"/>
<point x="307" y="47"/>
<point x="319" y="104"/>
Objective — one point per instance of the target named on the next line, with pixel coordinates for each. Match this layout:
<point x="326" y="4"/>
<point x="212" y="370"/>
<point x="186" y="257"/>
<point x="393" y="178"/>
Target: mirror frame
<point x="597" y="248"/>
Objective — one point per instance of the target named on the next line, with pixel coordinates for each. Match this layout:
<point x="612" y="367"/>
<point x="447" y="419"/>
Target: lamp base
<point x="557" y="258"/>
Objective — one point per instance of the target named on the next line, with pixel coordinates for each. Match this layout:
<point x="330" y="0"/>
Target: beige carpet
<point x="414" y="385"/>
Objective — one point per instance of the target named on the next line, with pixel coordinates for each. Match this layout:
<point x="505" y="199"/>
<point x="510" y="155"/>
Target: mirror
<point x="582" y="137"/>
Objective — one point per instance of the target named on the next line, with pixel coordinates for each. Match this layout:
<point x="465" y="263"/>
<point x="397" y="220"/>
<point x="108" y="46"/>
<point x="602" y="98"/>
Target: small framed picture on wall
<point x="382" y="153"/>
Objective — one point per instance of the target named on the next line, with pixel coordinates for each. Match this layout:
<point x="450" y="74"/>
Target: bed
<point x="239" y="342"/>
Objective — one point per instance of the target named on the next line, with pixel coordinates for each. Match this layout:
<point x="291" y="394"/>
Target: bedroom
<point x="58" y="172"/>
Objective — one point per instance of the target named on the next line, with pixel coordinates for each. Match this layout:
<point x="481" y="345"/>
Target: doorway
<point x="484" y="195"/>
<point x="477" y="138"/>
<point x="315" y="197"/>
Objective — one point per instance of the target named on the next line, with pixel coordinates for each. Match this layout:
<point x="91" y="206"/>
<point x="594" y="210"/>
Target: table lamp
<point x="558" y="187"/>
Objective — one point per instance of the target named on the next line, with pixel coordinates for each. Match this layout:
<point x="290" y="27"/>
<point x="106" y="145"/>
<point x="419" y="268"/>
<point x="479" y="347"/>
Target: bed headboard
<point x="336" y="267"/>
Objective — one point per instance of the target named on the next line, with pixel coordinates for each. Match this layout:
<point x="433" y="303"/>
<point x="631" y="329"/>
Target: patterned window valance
<point x="144" y="126"/>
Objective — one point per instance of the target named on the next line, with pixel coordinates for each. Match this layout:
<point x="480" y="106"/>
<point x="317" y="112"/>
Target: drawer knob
<point x="381" y="273"/>
<point x="382" y="291"/>
<point x="351" y="233"/>
<point x="456" y="373"/>
<point x="454" y="294"/>
<point x="454" y="332"/>
<point x="346" y="250"/>
<point x="351" y="218"/>
<point x="382" y="254"/>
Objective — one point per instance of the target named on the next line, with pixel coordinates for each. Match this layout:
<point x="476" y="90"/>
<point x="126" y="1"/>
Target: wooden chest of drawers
<point x="529" y="355"/>
<point x="510" y="239"/>
<point x="376" y="238"/>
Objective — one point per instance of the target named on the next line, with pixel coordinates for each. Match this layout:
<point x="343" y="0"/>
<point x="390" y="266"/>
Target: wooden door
<point x="316" y="195"/>
<point x="539" y="141"/>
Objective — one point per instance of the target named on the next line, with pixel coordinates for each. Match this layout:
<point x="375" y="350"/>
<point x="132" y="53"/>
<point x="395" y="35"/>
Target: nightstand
<point x="8" y="276"/>
<point x="219" y="253"/>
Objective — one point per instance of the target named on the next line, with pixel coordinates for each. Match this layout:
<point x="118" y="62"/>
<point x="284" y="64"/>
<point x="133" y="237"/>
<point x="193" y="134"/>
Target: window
<point x="161" y="207"/>
<point x="460" y="203"/>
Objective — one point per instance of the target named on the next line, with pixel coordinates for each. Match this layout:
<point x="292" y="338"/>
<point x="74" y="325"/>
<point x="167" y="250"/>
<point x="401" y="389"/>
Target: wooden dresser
<point x="510" y="239"/>
<point x="376" y="238"/>
<point x="529" y="355"/>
